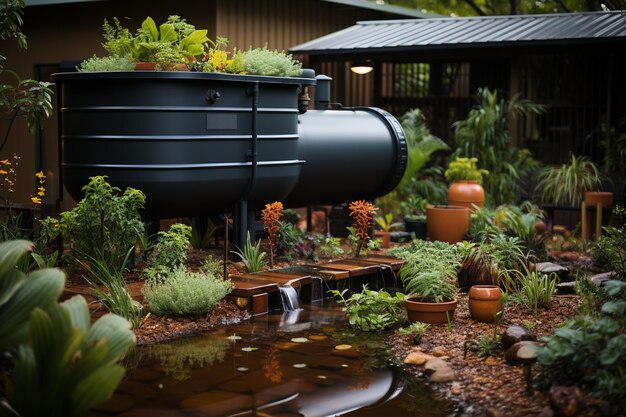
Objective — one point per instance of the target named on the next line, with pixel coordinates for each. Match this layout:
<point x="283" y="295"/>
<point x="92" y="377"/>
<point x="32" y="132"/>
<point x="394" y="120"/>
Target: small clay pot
<point x="447" y="223"/>
<point x="385" y="238"/>
<point x="485" y="302"/>
<point x="466" y="194"/>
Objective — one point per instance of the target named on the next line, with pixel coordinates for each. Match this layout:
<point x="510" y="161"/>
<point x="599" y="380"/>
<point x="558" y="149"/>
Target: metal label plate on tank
<point x="221" y="121"/>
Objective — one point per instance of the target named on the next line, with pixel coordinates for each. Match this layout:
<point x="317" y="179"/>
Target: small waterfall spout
<point x="290" y="298"/>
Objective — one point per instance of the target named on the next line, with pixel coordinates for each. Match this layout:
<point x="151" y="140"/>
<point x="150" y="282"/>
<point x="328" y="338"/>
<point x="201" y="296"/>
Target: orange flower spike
<point x="363" y="213"/>
<point x="271" y="217"/>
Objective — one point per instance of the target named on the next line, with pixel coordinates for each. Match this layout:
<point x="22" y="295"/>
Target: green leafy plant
<point x="169" y="252"/>
<point x="568" y="183"/>
<point x="485" y="134"/>
<point x="104" y="223"/>
<point x="185" y="293"/>
<point x="263" y="61"/>
<point x="609" y="250"/>
<point x="465" y="169"/>
<point x="371" y="310"/>
<point x="386" y="223"/>
<point x="429" y="270"/>
<point x="63" y="365"/>
<point x="213" y="266"/>
<point x="331" y="247"/>
<point x="251" y="255"/>
<point x="111" y="289"/>
<point x="107" y="63"/>
<point x="415" y="330"/>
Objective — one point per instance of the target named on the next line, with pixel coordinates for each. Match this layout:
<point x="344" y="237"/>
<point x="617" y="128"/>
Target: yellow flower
<point x="40" y="175"/>
<point x="16" y="157"/>
<point x="3" y="172"/>
<point x="36" y="200"/>
<point x="5" y="162"/>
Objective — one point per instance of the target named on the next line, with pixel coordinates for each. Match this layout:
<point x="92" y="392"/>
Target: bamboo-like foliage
<point x="485" y="135"/>
<point x="566" y="184"/>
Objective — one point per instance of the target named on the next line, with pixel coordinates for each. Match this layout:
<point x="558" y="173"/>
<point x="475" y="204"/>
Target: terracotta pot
<point x="593" y="198"/>
<point x="466" y="194"/>
<point x="447" y="223"/>
<point x="385" y="238"/>
<point x="485" y="301"/>
<point x="429" y="312"/>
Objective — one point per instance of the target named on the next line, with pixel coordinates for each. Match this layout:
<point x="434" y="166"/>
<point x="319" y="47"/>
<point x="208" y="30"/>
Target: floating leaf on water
<point x="249" y="349"/>
<point x="343" y="347"/>
<point x="299" y="365"/>
<point x="243" y="369"/>
<point x="299" y="340"/>
<point x="322" y="377"/>
<point x="234" y="338"/>
<point x="345" y="365"/>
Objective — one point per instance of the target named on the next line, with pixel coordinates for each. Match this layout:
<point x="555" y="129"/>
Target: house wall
<point x="72" y="32"/>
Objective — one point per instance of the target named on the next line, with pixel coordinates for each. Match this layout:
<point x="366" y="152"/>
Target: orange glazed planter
<point x="447" y="223"/>
<point x="593" y="198"/>
<point x="466" y="193"/>
<point x="485" y="302"/>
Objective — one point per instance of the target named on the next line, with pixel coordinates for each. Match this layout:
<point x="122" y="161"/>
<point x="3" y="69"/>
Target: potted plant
<point x="386" y="224"/>
<point x="447" y="223"/>
<point x="567" y="184"/>
<point x="415" y="216"/>
<point x="466" y="179"/>
<point x="429" y="277"/>
<point x="171" y="46"/>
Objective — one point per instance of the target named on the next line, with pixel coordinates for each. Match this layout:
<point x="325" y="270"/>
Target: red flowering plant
<point x="362" y="213"/>
<point x="271" y="222"/>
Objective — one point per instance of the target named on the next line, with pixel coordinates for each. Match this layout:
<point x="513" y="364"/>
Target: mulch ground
<point x="483" y="386"/>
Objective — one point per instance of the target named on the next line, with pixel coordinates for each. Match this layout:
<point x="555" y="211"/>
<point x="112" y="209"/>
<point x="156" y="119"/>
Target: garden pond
<point x="306" y="362"/>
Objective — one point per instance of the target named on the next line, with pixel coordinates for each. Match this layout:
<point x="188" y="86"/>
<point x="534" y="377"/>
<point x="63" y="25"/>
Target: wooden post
<point x="583" y="219"/>
<point x="598" y="220"/>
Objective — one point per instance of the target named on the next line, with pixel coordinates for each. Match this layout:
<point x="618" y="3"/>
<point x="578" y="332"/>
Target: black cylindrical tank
<point x="183" y="138"/>
<point x="348" y="154"/>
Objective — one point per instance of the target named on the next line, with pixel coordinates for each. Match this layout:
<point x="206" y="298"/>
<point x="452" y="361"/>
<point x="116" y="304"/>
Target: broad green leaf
<point x="614" y="307"/>
<point x="150" y="26"/>
<point x="78" y="311"/>
<point x="168" y="34"/>
<point x="26" y="383"/>
<point x="10" y="254"/>
<point x="197" y="36"/>
<point x="95" y="389"/>
<point x="118" y="333"/>
<point x="9" y="284"/>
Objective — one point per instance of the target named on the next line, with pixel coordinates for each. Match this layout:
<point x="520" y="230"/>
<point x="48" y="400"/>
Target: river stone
<point x="456" y="389"/>
<point x="550" y="267"/>
<point x="600" y="279"/>
<point x="417" y="358"/>
<point x="439" y="351"/>
<point x="565" y="400"/>
<point x="514" y="334"/>
<point x="519" y="352"/>
<point x="442" y="372"/>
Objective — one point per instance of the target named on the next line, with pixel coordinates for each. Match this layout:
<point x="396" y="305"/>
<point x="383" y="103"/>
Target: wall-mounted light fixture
<point x="361" y="67"/>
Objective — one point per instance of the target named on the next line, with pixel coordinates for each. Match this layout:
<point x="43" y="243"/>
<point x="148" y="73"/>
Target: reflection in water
<point x="273" y="370"/>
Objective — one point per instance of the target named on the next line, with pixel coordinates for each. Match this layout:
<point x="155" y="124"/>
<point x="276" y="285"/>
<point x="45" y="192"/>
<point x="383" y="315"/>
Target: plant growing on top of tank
<point x="271" y="215"/>
<point x="107" y="63"/>
<point x="362" y="213"/>
<point x="263" y="61"/>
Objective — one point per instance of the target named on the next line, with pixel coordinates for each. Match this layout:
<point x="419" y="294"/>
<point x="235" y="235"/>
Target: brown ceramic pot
<point x="593" y="198"/>
<point x="429" y="312"/>
<point x="485" y="301"/>
<point x="447" y="223"/>
<point x="385" y="238"/>
<point x="466" y="194"/>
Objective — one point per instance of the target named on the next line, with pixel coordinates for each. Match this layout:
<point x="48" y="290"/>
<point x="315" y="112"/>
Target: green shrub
<point x="331" y="247"/>
<point x="371" y="310"/>
<point x="213" y="266"/>
<point x="416" y="330"/>
<point x="262" y="61"/>
<point x="104" y="224"/>
<point x="185" y="293"/>
<point x="609" y="250"/>
<point x="169" y="252"/>
<point x="107" y="63"/>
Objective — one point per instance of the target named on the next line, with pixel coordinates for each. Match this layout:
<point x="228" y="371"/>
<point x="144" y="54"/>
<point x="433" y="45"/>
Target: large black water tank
<point x="187" y="140"/>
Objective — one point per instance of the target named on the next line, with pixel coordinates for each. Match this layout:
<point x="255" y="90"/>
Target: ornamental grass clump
<point x="271" y="215"/>
<point x="185" y="293"/>
<point x="362" y="213"/>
